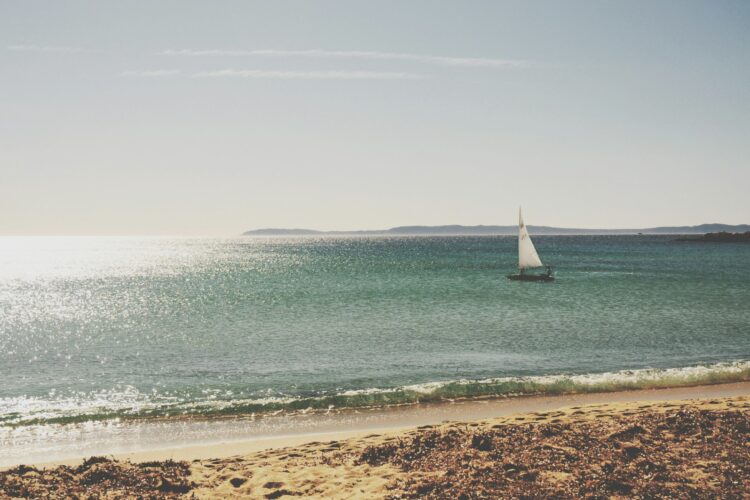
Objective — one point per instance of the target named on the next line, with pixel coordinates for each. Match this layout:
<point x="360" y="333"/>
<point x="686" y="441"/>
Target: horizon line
<point x="485" y="226"/>
<point x="351" y="231"/>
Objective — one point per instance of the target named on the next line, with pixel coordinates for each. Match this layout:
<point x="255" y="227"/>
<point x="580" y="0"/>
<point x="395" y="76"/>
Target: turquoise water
<point x="98" y="328"/>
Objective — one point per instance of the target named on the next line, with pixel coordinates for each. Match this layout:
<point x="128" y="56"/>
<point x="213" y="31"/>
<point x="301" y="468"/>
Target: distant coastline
<point x="720" y="237"/>
<point x="501" y="230"/>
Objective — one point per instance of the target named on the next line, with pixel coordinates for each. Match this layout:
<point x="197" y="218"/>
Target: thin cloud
<point x="48" y="48"/>
<point x="307" y="75"/>
<point x="150" y="73"/>
<point x="357" y="54"/>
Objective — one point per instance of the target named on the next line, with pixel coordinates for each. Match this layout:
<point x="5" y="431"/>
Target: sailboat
<point x="527" y="257"/>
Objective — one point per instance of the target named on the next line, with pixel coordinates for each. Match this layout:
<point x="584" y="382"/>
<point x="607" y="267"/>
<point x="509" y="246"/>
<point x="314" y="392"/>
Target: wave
<point x="131" y="404"/>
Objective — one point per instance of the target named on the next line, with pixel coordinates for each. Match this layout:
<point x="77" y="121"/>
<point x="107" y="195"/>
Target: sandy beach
<point x="682" y="441"/>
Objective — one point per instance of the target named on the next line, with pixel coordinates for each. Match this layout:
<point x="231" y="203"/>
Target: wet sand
<point x="189" y="440"/>
<point x="677" y="442"/>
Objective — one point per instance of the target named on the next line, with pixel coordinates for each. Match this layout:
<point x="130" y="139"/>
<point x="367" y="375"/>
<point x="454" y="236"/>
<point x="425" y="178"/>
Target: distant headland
<point x="720" y="237"/>
<point x="502" y="230"/>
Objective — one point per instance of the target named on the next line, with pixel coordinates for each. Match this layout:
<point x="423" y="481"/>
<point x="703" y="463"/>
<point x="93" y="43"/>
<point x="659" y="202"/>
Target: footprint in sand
<point x="281" y="493"/>
<point x="237" y="481"/>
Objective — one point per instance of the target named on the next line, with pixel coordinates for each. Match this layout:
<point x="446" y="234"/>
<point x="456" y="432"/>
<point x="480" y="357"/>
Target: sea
<point x="96" y="330"/>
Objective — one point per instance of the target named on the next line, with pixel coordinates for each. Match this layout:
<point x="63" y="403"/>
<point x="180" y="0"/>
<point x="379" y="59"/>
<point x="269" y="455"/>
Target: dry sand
<point x="647" y="447"/>
<point x="679" y="448"/>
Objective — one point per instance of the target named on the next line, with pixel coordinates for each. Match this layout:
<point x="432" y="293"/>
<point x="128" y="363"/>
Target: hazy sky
<point x="182" y="117"/>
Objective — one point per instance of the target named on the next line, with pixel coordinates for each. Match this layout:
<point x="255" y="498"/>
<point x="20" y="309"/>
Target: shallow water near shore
<point x="213" y="437"/>
<point x="95" y="329"/>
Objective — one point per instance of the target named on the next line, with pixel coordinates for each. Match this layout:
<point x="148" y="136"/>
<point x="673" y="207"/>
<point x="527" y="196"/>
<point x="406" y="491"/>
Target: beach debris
<point x="98" y="477"/>
<point x="683" y="452"/>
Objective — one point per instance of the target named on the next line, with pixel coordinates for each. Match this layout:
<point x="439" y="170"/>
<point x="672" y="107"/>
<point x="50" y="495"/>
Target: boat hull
<point x="531" y="277"/>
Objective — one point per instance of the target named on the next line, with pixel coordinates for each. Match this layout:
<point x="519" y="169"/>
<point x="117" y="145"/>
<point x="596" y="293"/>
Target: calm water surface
<point x="97" y="328"/>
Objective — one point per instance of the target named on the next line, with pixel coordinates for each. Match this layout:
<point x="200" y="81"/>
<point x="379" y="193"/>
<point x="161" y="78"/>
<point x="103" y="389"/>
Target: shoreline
<point x="220" y="438"/>
<point x="647" y="447"/>
<point x="425" y="393"/>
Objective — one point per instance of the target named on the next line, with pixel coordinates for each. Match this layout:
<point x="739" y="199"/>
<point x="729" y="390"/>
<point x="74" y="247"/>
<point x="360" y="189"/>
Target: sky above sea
<point x="211" y="118"/>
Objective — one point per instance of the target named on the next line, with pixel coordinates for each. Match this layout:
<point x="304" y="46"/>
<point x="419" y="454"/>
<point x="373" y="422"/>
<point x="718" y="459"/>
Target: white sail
<point x="527" y="256"/>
